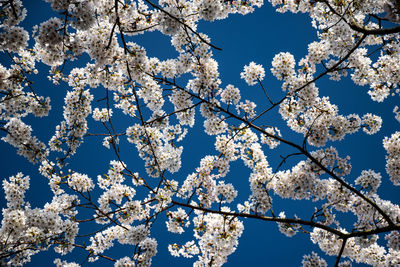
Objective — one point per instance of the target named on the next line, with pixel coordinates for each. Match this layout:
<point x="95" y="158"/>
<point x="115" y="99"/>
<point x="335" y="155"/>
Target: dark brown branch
<point x="266" y="218"/>
<point x="339" y="256"/>
<point x="365" y="31"/>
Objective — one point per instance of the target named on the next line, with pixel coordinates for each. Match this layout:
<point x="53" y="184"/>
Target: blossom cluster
<point x="77" y="108"/>
<point x="156" y="147"/>
<point x="253" y="73"/>
<point x="217" y="237"/>
<point x="392" y="147"/>
<point x="22" y="227"/>
<point x="19" y="136"/>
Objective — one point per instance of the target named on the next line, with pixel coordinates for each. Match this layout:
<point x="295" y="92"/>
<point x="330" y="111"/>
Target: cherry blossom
<point x="151" y="107"/>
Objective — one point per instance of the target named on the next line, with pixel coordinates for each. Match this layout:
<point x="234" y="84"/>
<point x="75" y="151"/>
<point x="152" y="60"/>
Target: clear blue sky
<point x="255" y="37"/>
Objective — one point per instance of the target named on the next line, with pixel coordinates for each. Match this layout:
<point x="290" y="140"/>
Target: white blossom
<point x="149" y="98"/>
<point x="252" y="73"/>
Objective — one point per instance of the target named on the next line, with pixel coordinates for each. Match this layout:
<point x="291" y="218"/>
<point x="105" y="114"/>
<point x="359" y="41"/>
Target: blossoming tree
<point x="160" y="99"/>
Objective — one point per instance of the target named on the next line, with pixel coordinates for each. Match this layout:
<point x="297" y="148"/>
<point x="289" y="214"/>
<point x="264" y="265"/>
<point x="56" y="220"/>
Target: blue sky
<point x="255" y="37"/>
